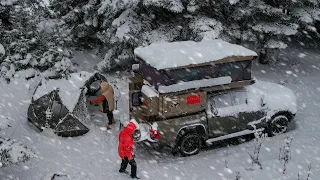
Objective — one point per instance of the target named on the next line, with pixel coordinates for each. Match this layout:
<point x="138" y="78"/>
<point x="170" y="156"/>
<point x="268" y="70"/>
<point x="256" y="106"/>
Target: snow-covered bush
<point x="13" y="152"/>
<point x="259" y="139"/>
<point x="285" y="153"/>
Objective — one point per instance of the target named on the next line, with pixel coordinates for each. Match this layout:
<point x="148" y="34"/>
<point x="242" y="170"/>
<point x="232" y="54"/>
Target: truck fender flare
<point x="197" y="128"/>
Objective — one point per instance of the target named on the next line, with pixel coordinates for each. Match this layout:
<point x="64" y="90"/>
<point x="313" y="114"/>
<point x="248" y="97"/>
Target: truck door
<point x="222" y="118"/>
<point x="247" y="109"/>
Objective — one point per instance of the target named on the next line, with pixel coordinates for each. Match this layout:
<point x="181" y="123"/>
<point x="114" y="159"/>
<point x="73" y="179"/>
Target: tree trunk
<point x="263" y="56"/>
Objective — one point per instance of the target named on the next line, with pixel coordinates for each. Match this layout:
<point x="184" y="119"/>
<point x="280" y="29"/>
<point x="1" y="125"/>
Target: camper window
<point x="184" y="75"/>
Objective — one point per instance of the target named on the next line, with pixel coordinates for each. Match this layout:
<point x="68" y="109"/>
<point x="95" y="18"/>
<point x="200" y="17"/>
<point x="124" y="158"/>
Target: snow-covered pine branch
<point x="31" y="42"/>
<point x="2" y="50"/>
<point x="171" y="5"/>
<point x="276" y="28"/>
<point x="129" y="24"/>
<point x="205" y="28"/>
<point x="274" y="44"/>
<point x="13" y="152"/>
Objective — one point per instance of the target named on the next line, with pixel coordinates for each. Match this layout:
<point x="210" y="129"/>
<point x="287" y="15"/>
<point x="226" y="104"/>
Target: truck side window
<point x="239" y="97"/>
<point x="222" y="100"/>
<point x="136" y="99"/>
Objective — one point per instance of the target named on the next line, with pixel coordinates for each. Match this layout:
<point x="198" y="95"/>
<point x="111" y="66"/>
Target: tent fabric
<point x="70" y="126"/>
<point x="69" y="89"/>
<point x="64" y="121"/>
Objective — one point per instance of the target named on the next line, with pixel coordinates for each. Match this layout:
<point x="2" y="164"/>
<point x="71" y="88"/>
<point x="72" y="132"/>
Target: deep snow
<point x="94" y="155"/>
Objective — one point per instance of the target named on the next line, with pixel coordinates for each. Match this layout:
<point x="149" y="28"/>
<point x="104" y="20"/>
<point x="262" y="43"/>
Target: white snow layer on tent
<point x="2" y="51"/>
<point x="195" y="84"/>
<point x="149" y="91"/>
<point x="175" y="54"/>
<point x="69" y="89"/>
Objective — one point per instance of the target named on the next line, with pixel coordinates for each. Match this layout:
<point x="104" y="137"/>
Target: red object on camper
<point x="194" y="99"/>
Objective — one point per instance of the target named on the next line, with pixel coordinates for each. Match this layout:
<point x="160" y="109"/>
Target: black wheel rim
<point x="190" y="145"/>
<point x="279" y="125"/>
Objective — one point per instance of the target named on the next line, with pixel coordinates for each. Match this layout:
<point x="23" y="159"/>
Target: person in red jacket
<point x="126" y="148"/>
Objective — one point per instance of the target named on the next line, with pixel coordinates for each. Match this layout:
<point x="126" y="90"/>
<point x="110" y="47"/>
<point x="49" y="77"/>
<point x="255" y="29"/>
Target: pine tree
<point x="26" y="45"/>
<point x="122" y="25"/>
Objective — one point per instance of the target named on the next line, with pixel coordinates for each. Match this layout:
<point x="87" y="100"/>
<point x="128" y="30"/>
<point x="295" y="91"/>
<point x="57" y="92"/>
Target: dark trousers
<point x="132" y="163"/>
<point x="110" y="116"/>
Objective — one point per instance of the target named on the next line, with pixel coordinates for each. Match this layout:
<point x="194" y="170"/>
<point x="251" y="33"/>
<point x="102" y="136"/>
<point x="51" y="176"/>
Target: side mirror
<point x="215" y="111"/>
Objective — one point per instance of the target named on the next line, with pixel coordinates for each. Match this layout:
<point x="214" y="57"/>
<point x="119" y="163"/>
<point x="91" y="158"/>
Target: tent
<point x="60" y="103"/>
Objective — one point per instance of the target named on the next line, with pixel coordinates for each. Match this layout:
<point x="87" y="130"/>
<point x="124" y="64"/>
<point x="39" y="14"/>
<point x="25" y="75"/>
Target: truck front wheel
<point x="190" y="144"/>
<point x="278" y="125"/>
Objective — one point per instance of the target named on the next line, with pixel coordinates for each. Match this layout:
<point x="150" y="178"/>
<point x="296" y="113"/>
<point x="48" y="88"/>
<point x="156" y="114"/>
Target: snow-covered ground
<point x="94" y="155"/>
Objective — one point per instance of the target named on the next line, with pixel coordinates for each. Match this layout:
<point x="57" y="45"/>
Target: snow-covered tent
<point x="61" y="103"/>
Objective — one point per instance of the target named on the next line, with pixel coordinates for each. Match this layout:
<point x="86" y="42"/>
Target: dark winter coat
<point x="106" y="99"/>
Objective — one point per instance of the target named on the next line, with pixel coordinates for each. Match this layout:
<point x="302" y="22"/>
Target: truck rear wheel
<point x="190" y="144"/>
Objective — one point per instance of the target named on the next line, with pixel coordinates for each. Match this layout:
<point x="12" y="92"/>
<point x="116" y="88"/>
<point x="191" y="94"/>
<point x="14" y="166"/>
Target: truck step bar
<point x="228" y="136"/>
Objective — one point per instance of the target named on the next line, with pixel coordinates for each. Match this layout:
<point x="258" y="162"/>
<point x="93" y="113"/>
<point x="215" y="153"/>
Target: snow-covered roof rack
<point x="184" y="54"/>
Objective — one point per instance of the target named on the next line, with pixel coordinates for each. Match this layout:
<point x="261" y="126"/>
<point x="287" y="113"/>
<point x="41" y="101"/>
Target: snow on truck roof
<point x="69" y="89"/>
<point x="166" y="55"/>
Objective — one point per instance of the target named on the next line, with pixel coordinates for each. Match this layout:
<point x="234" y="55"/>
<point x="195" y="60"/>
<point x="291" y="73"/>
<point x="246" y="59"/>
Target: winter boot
<point x="135" y="177"/>
<point x="126" y="172"/>
<point x="109" y="126"/>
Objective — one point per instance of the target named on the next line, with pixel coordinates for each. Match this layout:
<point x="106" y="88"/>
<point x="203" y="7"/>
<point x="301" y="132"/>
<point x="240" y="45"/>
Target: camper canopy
<point x="178" y="66"/>
<point x="168" y="55"/>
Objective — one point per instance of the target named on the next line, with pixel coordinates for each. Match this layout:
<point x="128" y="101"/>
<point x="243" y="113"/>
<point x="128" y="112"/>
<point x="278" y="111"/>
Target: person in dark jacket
<point x="106" y="102"/>
<point x="126" y="148"/>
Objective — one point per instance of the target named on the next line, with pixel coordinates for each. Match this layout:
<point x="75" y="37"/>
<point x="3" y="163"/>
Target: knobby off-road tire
<point x="278" y="125"/>
<point x="190" y="144"/>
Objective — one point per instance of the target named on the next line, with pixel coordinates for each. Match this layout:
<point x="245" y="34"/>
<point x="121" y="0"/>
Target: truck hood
<point x="276" y="97"/>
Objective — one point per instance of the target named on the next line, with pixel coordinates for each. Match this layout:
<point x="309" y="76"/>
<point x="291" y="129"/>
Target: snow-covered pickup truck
<point x="186" y="93"/>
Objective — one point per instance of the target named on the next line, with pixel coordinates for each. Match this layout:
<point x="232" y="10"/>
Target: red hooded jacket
<point x="125" y="147"/>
